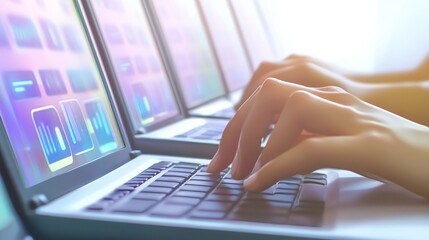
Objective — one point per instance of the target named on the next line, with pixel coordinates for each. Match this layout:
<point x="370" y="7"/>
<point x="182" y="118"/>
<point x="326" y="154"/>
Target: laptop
<point x="11" y="226"/>
<point x="200" y="59"/>
<point x="254" y="31"/>
<point x="66" y="157"/>
<point x="142" y="83"/>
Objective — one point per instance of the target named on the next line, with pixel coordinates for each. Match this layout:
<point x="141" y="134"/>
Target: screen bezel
<point x="57" y="186"/>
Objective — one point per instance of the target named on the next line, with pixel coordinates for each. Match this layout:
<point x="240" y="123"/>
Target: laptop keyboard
<point x="209" y="131"/>
<point x="225" y="113"/>
<point x="187" y="190"/>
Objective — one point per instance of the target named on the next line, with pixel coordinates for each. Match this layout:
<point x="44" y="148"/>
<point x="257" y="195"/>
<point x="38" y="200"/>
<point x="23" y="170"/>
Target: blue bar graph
<point x="25" y="32"/>
<point x="52" y="137"/>
<point x="101" y="126"/>
<point x="79" y="137"/>
<point x="52" y="35"/>
<point x="53" y="82"/>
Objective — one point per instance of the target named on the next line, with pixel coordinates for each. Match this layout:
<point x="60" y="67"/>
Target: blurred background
<point x="360" y="35"/>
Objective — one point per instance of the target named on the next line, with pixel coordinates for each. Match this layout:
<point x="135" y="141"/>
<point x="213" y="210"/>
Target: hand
<point x="297" y="69"/>
<point x="321" y="128"/>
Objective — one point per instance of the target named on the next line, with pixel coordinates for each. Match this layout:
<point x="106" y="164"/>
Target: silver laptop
<point x="209" y="65"/>
<point x="142" y="84"/>
<point x="67" y="158"/>
<point x="257" y="37"/>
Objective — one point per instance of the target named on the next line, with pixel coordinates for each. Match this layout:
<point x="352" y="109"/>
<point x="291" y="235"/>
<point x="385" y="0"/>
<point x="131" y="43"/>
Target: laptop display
<point x="137" y="63"/>
<point x="193" y="59"/>
<point x="53" y="99"/>
<point x="256" y="36"/>
<point x="227" y="43"/>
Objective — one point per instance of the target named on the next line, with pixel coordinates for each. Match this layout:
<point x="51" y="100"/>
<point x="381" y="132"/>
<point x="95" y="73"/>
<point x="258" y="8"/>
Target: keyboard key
<point x="187" y="165"/>
<point x="100" y="205"/>
<point x="289" y="186"/>
<point x="195" y="188"/>
<point x="177" y="174"/>
<point x="215" y="206"/>
<point x="190" y="194"/>
<point x="286" y="191"/>
<point x="263" y="197"/>
<point x="157" y="190"/>
<point x="125" y="188"/>
<point x="182" y="170"/>
<point x="232" y="181"/>
<point x="171" y="210"/>
<point x="231" y="186"/>
<point x="228" y="191"/>
<point x="200" y="183"/>
<point x="184" y="200"/>
<point x="158" y="183"/>
<point x="272" y="208"/>
<point x="162" y="165"/>
<point x="135" y="206"/>
<point x="150" y="196"/>
<point x="213" y="178"/>
<point x="313" y="192"/>
<point x="223" y="198"/>
<point x="315" y="181"/>
<point x="115" y="196"/>
<point x="171" y="179"/>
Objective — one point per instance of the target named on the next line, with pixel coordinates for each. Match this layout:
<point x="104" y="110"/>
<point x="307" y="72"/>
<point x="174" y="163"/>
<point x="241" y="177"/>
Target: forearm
<point x="408" y="99"/>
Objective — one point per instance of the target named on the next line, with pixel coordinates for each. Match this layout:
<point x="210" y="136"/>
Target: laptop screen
<point x="255" y="34"/>
<point x="54" y="105"/>
<point x="227" y="42"/>
<point x="136" y="60"/>
<point x="189" y="46"/>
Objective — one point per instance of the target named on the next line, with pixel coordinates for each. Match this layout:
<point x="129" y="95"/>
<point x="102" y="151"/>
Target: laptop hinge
<point x="38" y="200"/>
<point x="135" y="153"/>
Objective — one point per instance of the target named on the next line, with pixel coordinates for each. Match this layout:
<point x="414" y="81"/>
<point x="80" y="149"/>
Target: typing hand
<point x="318" y="128"/>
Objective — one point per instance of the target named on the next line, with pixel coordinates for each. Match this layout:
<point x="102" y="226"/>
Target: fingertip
<point x="250" y="184"/>
<point x="214" y="164"/>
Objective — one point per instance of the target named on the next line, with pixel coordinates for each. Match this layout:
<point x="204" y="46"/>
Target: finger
<point x="312" y="154"/>
<point x="230" y="137"/>
<point x="296" y="56"/>
<point x="265" y="70"/>
<point x="267" y="104"/>
<point x="254" y="129"/>
<point x="307" y="111"/>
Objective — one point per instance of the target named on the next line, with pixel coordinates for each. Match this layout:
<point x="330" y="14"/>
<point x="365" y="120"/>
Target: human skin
<point x="321" y="128"/>
<point x="405" y="98"/>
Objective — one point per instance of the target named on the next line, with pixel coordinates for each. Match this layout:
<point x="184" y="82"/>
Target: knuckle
<point x="265" y="65"/>
<point x="268" y="85"/>
<point x="333" y="89"/>
<point x="345" y="98"/>
<point x="299" y="97"/>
